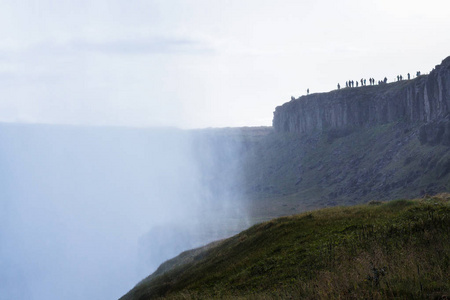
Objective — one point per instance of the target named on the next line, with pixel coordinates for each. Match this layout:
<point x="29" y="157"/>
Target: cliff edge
<point x="423" y="99"/>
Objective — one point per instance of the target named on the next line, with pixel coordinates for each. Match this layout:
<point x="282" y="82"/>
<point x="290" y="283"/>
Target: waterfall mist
<point x="85" y="213"/>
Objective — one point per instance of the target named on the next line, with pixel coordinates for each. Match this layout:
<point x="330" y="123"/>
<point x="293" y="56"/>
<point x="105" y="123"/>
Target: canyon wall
<point x="423" y="99"/>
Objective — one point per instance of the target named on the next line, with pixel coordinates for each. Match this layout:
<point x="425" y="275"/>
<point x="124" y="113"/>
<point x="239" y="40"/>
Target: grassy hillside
<point x="399" y="249"/>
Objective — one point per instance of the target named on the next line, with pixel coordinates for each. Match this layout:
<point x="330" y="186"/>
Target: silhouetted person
<point x="398" y="78"/>
<point x="365" y="82"/>
<point x="362" y="81"/>
<point x="401" y="77"/>
<point x="409" y="76"/>
<point x="418" y="73"/>
<point x="292" y="98"/>
<point x="385" y="80"/>
<point x="356" y="83"/>
<point x="353" y="83"/>
<point x="307" y="91"/>
<point x="339" y="86"/>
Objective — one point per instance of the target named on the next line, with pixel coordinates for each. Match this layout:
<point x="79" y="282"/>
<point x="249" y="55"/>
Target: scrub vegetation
<point x="398" y="249"/>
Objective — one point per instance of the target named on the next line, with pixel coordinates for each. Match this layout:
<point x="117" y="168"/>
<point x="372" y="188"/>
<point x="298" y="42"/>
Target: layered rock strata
<point x="423" y="99"/>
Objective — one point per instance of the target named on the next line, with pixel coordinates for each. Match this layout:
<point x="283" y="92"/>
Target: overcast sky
<point x="201" y="63"/>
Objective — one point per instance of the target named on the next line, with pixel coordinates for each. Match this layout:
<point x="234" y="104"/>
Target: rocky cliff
<point x="345" y="147"/>
<point x="423" y="99"/>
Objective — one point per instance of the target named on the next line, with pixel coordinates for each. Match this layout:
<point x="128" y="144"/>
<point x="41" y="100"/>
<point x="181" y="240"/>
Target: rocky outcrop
<point x="423" y="99"/>
<point x="435" y="132"/>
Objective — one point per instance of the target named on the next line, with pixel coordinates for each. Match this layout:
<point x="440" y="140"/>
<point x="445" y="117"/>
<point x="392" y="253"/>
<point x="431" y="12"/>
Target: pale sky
<point x="201" y="63"/>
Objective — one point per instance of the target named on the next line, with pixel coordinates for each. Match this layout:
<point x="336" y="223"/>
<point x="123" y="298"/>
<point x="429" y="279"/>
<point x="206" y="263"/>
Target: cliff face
<point x="423" y="99"/>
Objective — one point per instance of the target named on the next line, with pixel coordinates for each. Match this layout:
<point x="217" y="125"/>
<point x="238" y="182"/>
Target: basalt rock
<point x="425" y="99"/>
<point x="435" y="132"/>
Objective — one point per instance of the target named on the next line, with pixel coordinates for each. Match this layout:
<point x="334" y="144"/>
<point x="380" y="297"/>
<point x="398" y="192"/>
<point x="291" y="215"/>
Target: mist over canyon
<point x="87" y="212"/>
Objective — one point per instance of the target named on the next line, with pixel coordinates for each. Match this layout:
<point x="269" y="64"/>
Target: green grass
<point x="399" y="249"/>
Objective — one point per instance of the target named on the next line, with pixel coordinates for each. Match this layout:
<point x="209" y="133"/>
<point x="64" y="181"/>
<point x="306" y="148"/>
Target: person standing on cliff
<point x="307" y="91"/>
<point x="385" y="80"/>
<point x="409" y="76"/>
<point x="339" y="86"/>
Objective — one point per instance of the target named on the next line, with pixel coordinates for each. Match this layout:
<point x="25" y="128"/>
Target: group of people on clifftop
<point x="400" y="77"/>
<point x="351" y="83"/>
<point x="363" y="82"/>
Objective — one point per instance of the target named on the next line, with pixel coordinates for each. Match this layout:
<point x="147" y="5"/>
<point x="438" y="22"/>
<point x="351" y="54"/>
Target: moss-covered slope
<point x="398" y="249"/>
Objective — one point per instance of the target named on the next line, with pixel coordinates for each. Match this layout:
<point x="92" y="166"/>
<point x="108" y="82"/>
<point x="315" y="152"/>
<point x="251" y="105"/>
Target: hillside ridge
<point x="397" y="249"/>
